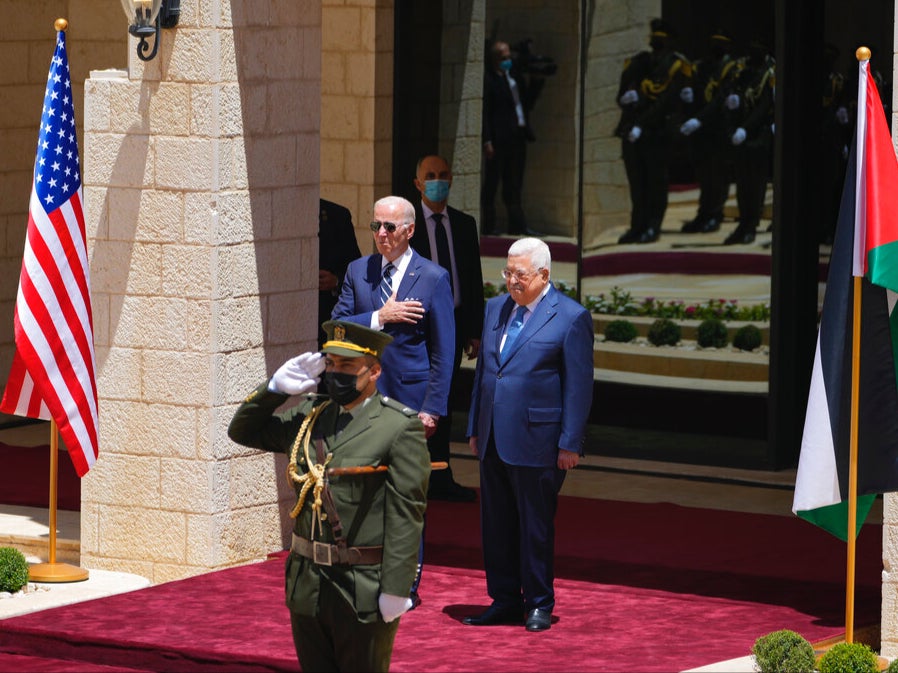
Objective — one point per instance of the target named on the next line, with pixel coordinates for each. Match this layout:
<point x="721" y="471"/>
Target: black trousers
<point x="713" y="164"/>
<point x="752" y="164"/>
<point x="646" y="162"/>
<point x="507" y="167"/>
<point x="336" y="640"/>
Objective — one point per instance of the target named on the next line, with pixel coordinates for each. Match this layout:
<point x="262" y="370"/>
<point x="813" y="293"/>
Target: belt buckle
<point x="321" y="553"/>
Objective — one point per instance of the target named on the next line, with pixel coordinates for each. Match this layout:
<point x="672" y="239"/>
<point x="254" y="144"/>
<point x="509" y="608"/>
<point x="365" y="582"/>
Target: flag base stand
<point x="56" y="572"/>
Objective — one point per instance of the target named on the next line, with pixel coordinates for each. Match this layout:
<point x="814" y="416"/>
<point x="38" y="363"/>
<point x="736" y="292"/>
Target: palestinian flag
<point x="866" y="244"/>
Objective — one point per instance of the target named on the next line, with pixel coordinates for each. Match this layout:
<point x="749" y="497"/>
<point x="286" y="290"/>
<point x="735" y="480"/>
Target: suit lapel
<point x="412" y="274"/>
<point x="501" y="321"/>
<point x="375" y="266"/>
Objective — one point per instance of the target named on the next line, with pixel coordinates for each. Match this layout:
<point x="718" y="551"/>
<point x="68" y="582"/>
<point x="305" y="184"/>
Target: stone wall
<point x="198" y="164"/>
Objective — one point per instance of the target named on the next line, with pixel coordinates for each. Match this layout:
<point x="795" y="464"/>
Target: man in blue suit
<point x="410" y="298"/>
<point x="529" y="407"/>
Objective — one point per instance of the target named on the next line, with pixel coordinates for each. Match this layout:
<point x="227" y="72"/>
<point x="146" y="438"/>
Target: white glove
<point x="842" y="115"/>
<point x="392" y="606"/>
<point x="732" y="101"/>
<point x="298" y="375"/>
<point x="634" y="134"/>
<point x="738" y="136"/>
<point x="690" y="126"/>
<point x="686" y="94"/>
<point x="629" y="97"/>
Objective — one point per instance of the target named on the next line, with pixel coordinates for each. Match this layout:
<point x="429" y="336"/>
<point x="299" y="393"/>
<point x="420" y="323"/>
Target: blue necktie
<point x="386" y="284"/>
<point x="517" y="323"/>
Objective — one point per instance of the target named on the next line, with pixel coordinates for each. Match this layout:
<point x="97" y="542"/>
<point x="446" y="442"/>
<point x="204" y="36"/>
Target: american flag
<point x="53" y="372"/>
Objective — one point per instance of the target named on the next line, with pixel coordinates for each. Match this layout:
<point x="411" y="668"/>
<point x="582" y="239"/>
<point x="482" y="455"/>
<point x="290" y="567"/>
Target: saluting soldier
<point x="359" y="463"/>
<point x="710" y="146"/>
<point x="750" y="111"/>
<point x="652" y="89"/>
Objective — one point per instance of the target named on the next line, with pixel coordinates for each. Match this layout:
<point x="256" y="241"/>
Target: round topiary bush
<point x="621" y="331"/>
<point x="747" y="338"/>
<point x="849" y="658"/>
<point x="712" y="333"/>
<point x="783" y="652"/>
<point x="13" y="569"/>
<point x="893" y="666"/>
<point x="664" y="332"/>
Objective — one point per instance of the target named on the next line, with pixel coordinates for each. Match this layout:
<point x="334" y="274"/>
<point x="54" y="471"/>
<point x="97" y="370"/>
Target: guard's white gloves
<point x="392" y="606"/>
<point x="732" y="101"/>
<point x="298" y="375"/>
<point x="634" y="134"/>
<point x="690" y="126"/>
<point x="629" y="97"/>
<point x="738" y="136"/>
<point x="842" y="115"/>
<point x="686" y="94"/>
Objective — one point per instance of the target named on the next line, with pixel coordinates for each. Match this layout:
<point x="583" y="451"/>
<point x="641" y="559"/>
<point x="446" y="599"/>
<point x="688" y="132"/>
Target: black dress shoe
<point x="416" y="599"/>
<point x="452" y="492"/>
<point x="650" y="235"/>
<point x="494" y="616"/>
<point x="692" y="226"/>
<point x="629" y="236"/>
<point x="740" y="237"/>
<point x="709" y="225"/>
<point x="539" y="620"/>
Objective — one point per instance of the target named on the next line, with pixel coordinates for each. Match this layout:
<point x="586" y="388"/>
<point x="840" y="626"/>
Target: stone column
<point x="357" y="107"/>
<point x="201" y="184"/>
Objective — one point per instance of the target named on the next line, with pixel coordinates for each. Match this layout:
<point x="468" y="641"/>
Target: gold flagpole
<point x="53" y="571"/>
<point x="851" y="536"/>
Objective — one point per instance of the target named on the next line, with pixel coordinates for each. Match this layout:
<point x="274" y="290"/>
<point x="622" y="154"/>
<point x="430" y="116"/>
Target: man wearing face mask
<point x="449" y="237"/>
<point x="353" y="556"/>
<point x="506" y="132"/>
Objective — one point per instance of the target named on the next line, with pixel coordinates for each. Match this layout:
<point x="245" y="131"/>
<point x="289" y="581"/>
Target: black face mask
<point x="341" y="387"/>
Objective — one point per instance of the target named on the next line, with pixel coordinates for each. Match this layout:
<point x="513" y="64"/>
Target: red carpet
<point x="25" y="478"/>
<point x="645" y="587"/>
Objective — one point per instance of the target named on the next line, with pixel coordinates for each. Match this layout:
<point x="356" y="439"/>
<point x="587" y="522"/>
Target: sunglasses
<point x="389" y="226"/>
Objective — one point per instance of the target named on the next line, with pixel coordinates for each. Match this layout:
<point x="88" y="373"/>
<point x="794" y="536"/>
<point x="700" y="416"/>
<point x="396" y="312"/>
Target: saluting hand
<point x="410" y="311"/>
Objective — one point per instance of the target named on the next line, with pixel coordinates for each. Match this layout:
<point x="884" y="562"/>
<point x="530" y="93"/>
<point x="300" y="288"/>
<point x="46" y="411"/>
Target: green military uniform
<point x="331" y="591"/>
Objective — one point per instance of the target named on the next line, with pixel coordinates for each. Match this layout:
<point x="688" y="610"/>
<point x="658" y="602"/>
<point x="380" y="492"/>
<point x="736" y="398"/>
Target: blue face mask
<point x="505" y="65"/>
<point x="436" y="190"/>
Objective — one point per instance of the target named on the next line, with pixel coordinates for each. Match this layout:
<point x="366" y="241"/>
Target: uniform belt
<point x="326" y="554"/>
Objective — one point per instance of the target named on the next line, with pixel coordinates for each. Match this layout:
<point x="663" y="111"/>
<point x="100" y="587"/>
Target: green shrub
<point x="893" y="666"/>
<point x="783" y="652"/>
<point x="621" y="331"/>
<point x="849" y="658"/>
<point x="712" y="333"/>
<point x="13" y="569"/>
<point x="747" y="338"/>
<point x="664" y="332"/>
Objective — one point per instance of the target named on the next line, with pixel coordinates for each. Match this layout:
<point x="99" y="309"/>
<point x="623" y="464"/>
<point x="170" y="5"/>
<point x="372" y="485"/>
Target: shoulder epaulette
<point x="398" y="406"/>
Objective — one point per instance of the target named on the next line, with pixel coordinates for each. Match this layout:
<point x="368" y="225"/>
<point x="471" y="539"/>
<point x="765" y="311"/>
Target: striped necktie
<point x="386" y="283"/>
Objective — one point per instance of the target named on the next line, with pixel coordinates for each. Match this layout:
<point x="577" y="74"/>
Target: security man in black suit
<point x="506" y="131"/>
<point x="650" y="99"/>
<point x="337" y="247"/>
<point x="453" y="243"/>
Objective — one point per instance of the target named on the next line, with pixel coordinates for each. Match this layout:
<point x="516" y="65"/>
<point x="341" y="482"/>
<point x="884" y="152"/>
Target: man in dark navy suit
<point x="449" y="237"/>
<point x="529" y="407"/>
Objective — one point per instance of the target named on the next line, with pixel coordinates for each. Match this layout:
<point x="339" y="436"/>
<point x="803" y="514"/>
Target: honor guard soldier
<point x="750" y="116"/>
<point x="710" y="145"/>
<point x="359" y="464"/>
<point x="652" y="88"/>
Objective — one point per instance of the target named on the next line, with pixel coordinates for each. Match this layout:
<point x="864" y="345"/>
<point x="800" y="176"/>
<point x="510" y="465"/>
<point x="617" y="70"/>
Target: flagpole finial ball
<point x="863" y="54"/>
<point x="60" y="24"/>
